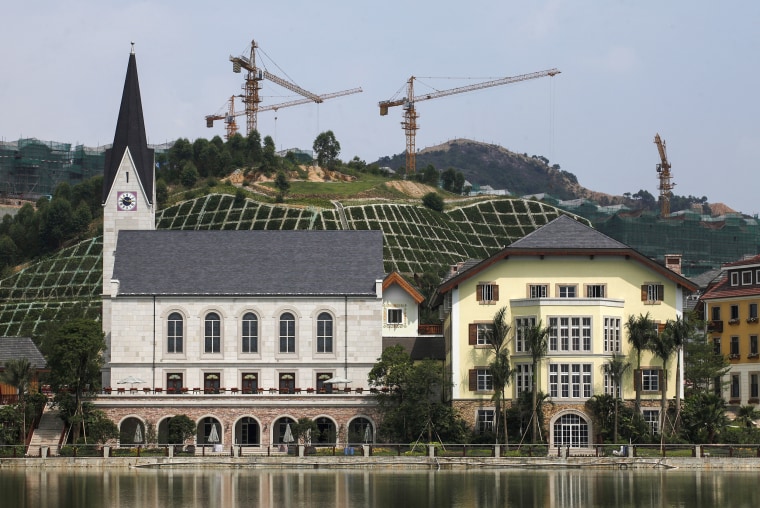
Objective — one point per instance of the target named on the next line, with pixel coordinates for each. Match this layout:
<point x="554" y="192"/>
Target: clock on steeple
<point x="126" y="201"/>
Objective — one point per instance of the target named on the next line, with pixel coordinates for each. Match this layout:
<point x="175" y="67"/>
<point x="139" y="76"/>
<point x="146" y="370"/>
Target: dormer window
<point x="746" y="277"/>
<point x="734" y="278"/>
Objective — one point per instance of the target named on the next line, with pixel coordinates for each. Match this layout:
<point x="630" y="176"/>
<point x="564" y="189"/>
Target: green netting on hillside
<point x="417" y="239"/>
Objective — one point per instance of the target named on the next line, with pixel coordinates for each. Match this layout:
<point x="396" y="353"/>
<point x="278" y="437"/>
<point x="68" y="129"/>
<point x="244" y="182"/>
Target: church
<point x="245" y="332"/>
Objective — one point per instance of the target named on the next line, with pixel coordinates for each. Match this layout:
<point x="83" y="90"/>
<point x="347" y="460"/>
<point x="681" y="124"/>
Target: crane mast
<point x="410" y="113"/>
<point x="663" y="171"/>
<point x="253" y="85"/>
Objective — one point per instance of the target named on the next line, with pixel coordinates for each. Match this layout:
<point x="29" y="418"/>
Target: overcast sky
<point x="629" y="69"/>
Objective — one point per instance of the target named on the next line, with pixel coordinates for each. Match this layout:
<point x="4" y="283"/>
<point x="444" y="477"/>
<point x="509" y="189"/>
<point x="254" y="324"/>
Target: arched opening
<point x="247" y="432"/>
<point x="209" y="432"/>
<point x="327" y="432"/>
<point x="163" y="432"/>
<point x="280" y="434"/>
<point x="361" y="431"/>
<point x="571" y="429"/>
<point x="132" y="432"/>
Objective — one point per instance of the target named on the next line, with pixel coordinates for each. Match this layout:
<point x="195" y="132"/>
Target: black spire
<point x="130" y="134"/>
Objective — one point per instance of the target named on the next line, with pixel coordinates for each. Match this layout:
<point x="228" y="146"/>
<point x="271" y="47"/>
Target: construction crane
<point x="229" y="117"/>
<point x="663" y="170"/>
<point x="251" y="99"/>
<point x="410" y="113"/>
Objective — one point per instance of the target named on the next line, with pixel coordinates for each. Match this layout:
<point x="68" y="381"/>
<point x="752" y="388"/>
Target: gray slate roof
<point x="14" y="348"/>
<point x="566" y="233"/>
<point x="250" y="263"/>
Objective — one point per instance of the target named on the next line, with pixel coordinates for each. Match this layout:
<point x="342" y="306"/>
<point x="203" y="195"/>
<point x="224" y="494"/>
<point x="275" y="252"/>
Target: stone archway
<point x="132" y="432"/>
<point x="209" y="432"/>
<point x="247" y="432"/>
<point x="571" y="428"/>
<point x="328" y="431"/>
<point x="361" y="430"/>
<point x="279" y="427"/>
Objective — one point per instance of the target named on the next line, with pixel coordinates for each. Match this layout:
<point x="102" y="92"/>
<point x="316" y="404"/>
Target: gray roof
<point x="419" y="348"/>
<point x="251" y="263"/>
<point x="14" y="348"/>
<point x="566" y="233"/>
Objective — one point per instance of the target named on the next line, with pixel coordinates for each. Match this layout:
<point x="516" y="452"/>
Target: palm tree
<point x="537" y="343"/>
<point x="500" y="368"/>
<point x="640" y="331"/>
<point x="18" y="373"/>
<point x="679" y="330"/>
<point x="746" y="415"/>
<point x="615" y="368"/>
<point x="663" y="347"/>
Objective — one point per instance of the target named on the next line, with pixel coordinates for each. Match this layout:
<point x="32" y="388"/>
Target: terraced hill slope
<point x="417" y="240"/>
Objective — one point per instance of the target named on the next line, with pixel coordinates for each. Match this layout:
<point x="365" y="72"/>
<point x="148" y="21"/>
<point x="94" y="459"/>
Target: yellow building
<point x="730" y="306"/>
<point x="584" y="286"/>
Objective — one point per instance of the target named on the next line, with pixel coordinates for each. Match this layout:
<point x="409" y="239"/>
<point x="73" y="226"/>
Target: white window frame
<point x="484" y="380"/>
<point x="325" y="338"/>
<point x="570" y="381"/>
<point x="485" y="420"/>
<point x="754" y="385"/>
<point x="523" y="378"/>
<point x="746" y="277"/>
<point x="394" y="316"/>
<point x="288" y="336"/>
<point x="734" y="278"/>
<point x="650" y="380"/>
<point x="610" y="387"/>
<point x="612" y="335"/>
<point x="249" y="334"/>
<point x="570" y="334"/>
<point x="484" y="333"/>
<point x="596" y="291"/>
<point x="486" y="291"/>
<point x="652" y="417"/>
<point x="567" y="290"/>
<point x="655" y="292"/>
<point x="522" y="325"/>
<point x="538" y="290"/>
<point x="212" y="337"/>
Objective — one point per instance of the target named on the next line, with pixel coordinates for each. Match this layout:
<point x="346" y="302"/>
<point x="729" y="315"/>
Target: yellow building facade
<point x="583" y="286"/>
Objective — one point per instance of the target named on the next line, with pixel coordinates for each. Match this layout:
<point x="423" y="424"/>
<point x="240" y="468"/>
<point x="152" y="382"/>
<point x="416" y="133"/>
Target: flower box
<point x="751" y="320"/>
<point x="733" y="321"/>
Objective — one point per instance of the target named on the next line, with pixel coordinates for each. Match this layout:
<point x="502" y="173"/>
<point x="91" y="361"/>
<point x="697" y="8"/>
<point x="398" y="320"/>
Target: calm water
<point x="374" y="489"/>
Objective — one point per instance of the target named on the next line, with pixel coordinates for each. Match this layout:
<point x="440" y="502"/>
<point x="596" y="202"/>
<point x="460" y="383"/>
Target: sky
<point x="629" y="69"/>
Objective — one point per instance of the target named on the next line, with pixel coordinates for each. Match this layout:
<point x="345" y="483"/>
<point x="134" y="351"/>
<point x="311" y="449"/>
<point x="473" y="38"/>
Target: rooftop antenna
<point x="133" y="48"/>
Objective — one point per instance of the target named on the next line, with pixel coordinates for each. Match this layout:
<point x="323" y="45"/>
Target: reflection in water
<point x="232" y="488"/>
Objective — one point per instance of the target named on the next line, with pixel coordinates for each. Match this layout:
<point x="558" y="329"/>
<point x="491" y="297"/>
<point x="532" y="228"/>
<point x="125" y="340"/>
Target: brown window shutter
<point x="473" y="338"/>
<point x="660" y="327"/>
<point x="479" y="292"/>
<point x="661" y="292"/>
<point x="637" y="379"/>
<point x="495" y="293"/>
<point x="473" y="379"/>
<point x="661" y="380"/>
<point x="643" y="292"/>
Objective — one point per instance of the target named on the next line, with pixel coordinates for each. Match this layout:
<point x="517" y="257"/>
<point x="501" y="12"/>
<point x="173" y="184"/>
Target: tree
<point x="305" y="430"/>
<point x="189" y="175"/>
<point x="18" y="372"/>
<point x="430" y="175"/>
<point x="433" y="201"/>
<point x="99" y="427"/>
<point x="704" y="416"/>
<point x="327" y="149"/>
<point x="746" y="416"/>
<point x="180" y="428"/>
<point x="663" y="347"/>
<point x="640" y="331"/>
<point x="615" y="368"/>
<point x="500" y="368"/>
<point x="703" y="365"/>
<point x="282" y="185"/>
<point x="537" y="344"/>
<point x="679" y="331"/>
<point x="268" y="156"/>
<point x="75" y="358"/>
<point x="413" y="406"/>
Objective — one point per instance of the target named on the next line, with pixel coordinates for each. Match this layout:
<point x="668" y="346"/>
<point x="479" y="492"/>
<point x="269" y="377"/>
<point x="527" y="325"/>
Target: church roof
<point x="130" y="135"/>
<point x="15" y="348"/>
<point x="249" y="263"/>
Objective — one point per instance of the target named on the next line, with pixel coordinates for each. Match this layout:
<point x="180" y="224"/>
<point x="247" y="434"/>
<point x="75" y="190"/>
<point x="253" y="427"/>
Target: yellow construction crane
<point x="229" y="116"/>
<point x="252" y="86"/>
<point x="410" y="114"/>
<point x="663" y="170"/>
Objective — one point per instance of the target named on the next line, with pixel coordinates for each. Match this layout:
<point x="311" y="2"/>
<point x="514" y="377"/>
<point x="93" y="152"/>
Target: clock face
<point x="126" y="201"/>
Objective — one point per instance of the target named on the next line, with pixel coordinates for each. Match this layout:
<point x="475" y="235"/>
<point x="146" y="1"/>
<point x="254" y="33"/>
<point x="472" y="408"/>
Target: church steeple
<point x="130" y="136"/>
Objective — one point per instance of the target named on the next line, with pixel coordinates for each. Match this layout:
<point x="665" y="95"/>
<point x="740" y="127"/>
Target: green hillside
<point x="417" y="240"/>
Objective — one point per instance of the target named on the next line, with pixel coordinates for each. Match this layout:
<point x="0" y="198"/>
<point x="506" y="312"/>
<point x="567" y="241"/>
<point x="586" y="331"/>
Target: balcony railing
<point x="430" y="329"/>
<point x="715" y="326"/>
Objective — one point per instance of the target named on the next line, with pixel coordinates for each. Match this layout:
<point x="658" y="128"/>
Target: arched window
<point x="250" y="333"/>
<point x="287" y="333"/>
<point x="212" y="334"/>
<point x="571" y="430"/>
<point x="324" y="333"/>
<point x="174" y="333"/>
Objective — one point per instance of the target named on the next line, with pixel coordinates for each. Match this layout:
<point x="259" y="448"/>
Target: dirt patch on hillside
<point x="413" y="189"/>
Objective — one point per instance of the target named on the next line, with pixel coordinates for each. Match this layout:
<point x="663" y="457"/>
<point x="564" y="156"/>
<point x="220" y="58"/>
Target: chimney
<point x="673" y="262"/>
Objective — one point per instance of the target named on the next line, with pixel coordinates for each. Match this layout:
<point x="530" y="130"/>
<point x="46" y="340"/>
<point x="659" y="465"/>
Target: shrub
<point x="433" y="201"/>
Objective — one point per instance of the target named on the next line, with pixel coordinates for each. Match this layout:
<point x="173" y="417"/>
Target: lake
<point x="230" y="488"/>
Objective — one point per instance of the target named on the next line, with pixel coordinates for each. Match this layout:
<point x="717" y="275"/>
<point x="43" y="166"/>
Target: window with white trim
<point x="753" y="386"/>
<point x="324" y="333"/>
<point x="570" y="380"/>
<point x="487" y="292"/>
<point x="212" y="333"/>
<point x="735" y="383"/>
<point x="484" y="380"/>
<point x="250" y="335"/>
<point x="610" y="387"/>
<point x="612" y="335"/>
<point x="569" y="334"/>
<point x="650" y="380"/>
<point x="652" y="292"/>
<point x="652" y="417"/>
<point x="523" y="377"/>
<point x="485" y="333"/>
<point x="734" y="278"/>
<point x="485" y="420"/>
<point x="175" y="333"/>
<point x="567" y="291"/>
<point x="746" y="277"/>
<point x="522" y="326"/>
<point x="595" y="291"/>
<point x="538" y="290"/>
<point x="394" y="316"/>
<point x="287" y="333"/>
